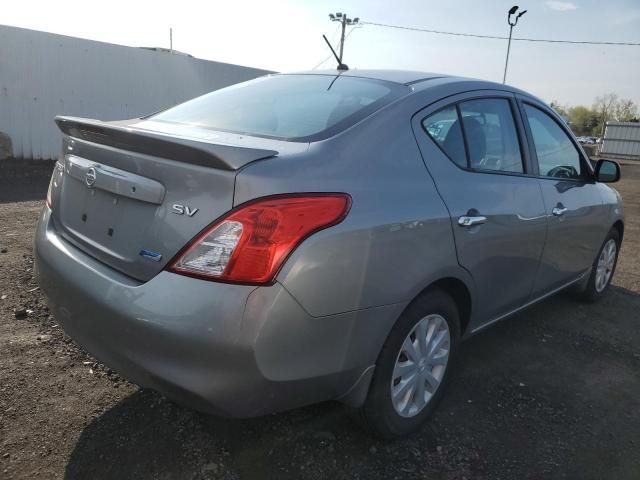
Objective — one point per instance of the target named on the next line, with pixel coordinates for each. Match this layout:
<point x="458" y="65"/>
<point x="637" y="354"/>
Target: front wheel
<point x="603" y="268"/>
<point x="413" y="366"/>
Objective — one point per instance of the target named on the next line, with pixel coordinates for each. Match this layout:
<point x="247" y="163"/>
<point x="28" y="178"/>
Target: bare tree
<point x="625" y="110"/>
<point x="603" y="106"/>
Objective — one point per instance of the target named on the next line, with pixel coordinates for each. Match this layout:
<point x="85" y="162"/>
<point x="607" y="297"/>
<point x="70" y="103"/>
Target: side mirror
<point x="607" y="171"/>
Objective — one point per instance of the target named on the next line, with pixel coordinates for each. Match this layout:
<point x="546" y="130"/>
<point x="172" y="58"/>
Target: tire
<point x="380" y="414"/>
<point x="593" y="290"/>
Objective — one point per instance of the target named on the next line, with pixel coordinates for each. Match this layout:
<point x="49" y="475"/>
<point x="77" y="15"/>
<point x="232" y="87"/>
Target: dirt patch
<point x="552" y="393"/>
<point x="23" y="180"/>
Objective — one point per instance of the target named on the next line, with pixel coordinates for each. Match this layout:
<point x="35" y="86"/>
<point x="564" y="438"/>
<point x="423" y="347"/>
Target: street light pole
<point x="511" y="12"/>
<point x="506" y="62"/>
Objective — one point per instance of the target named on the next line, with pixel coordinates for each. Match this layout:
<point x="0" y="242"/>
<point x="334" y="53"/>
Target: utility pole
<point x="170" y="40"/>
<point x="344" y="25"/>
<point x="511" y="12"/>
<point x="344" y="20"/>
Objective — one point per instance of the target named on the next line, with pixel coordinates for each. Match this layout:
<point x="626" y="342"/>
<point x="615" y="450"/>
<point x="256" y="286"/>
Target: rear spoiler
<point x="119" y="135"/>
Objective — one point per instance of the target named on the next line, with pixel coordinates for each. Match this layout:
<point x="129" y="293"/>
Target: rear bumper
<point x="226" y="349"/>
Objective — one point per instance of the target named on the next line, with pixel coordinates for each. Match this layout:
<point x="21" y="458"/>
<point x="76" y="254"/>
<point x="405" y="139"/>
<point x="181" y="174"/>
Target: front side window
<point x="557" y="155"/>
<point x="491" y="135"/>
<point x="290" y="107"/>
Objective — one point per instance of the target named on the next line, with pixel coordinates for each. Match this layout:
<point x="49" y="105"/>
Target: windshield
<point x="289" y="107"/>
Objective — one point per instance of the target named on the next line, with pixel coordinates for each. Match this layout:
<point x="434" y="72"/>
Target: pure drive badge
<point x="155" y="256"/>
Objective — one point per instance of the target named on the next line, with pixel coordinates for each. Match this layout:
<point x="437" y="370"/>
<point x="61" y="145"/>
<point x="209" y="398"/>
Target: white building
<point x="43" y="75"/>
<point x="621" y="140"/>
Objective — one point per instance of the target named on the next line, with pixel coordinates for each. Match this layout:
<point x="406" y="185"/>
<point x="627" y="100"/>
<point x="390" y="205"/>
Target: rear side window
<point x="478" y="134"/>
<point x="444" y="128"/>
<point x="491" y="136"/>
<point x="289" y="107"/>
<point x="557" y="155"/>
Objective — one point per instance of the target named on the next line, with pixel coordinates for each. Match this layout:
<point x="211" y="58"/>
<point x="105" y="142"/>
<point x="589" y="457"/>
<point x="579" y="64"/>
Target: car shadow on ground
<point x="147" y="436"/>
<point x="526" y="398"/>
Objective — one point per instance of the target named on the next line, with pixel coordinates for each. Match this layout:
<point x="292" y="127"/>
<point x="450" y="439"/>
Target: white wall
<point x="622" y="140"/>
<point x="43" y="75"/>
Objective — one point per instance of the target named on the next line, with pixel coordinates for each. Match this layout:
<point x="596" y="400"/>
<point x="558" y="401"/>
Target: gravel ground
<point x="551" y="393"/>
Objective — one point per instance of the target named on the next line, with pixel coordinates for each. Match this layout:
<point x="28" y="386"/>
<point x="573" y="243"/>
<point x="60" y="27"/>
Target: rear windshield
<point x="289" y="107"/>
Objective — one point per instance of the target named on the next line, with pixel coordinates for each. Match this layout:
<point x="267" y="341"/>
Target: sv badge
<point x="183" y="210"/>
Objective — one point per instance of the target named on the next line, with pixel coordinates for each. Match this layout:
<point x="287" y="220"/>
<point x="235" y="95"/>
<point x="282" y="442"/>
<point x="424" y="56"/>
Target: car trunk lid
<point x="133" y="194"/>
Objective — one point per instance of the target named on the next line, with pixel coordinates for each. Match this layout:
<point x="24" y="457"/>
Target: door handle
<point x="467" y="221"/>
<point x="559" y="211"/>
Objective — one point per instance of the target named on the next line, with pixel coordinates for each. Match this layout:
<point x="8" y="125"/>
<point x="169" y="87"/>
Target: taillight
<point x="250" y="244"/>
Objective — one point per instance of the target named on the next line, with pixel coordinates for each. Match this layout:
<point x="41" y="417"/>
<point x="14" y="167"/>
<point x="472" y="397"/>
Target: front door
<point x="577" y="219"/>
<point x="472" y="149"/>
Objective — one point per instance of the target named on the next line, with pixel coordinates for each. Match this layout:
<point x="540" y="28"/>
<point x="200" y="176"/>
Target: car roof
<point x="419" y="80"/>
<point x="404" y="77"/>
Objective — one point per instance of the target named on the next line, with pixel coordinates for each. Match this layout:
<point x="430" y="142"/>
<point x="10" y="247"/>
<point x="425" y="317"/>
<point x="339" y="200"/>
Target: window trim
<point x="586" y="176"/>
<point x="517" y="123"/>
<point x="467" y="157"/>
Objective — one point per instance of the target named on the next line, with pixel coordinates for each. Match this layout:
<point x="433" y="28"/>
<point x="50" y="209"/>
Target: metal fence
<point x="621" y="140"/>
<point x="43" y="75"/>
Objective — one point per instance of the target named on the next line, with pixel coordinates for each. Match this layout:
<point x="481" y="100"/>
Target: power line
<point x="496" y="37"/>
<point x="323" y="61"/>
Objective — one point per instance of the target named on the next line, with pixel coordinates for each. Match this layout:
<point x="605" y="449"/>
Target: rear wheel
<point x="603" y="268"/>
<point x="413" y="366"/>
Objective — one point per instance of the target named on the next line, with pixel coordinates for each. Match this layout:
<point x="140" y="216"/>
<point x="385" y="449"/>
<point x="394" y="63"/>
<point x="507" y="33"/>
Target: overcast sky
<point x="286" y="35"/>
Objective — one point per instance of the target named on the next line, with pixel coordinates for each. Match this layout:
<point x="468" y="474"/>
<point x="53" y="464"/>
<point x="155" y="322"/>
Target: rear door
<point x="573" y="205"/>
<point x="471" y="145"/>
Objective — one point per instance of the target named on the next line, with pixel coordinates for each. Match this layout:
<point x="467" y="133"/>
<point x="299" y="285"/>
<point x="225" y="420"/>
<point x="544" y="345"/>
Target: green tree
<point x="562" y="110"/>
<point x="582" y="120"/>
<point x="591" y="121"/>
